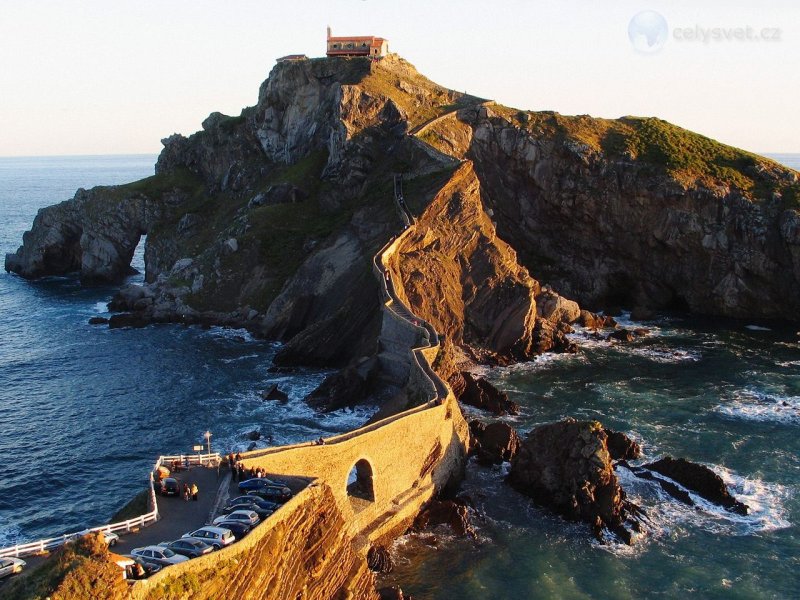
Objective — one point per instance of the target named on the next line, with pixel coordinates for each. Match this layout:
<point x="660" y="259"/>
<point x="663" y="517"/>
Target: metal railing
<point x="148" y="518"/>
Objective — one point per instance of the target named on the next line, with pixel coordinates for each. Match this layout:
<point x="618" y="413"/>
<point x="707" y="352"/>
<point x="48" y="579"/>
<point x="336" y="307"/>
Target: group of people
<point x="240" y="472"/>
<point x="190" y="492"/>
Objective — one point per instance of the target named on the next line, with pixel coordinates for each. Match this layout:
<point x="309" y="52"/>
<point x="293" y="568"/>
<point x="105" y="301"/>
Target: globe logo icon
<point x="648" y="32"/>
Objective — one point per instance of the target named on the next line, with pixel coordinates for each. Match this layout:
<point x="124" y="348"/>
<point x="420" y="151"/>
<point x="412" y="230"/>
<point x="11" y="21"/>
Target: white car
<point x="110" y="537"/>
<point x="159" y="555"/>
<point x="248" y="517"/>
<point x="10" y="566"/>
<point x="213" y="536"/>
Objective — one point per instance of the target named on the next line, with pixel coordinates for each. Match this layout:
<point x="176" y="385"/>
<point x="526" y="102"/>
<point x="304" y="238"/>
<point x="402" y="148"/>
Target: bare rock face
<point x="493" y="444"/>
<point x="699" y="479"/>
<point x="566" y="466"/>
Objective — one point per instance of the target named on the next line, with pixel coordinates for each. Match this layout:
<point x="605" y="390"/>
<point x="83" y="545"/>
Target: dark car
<point x="260" y="482"/>
<point x="262" y="513"/>
<point x="237" y="528"/>
<point x="272" y="493"/>
<point x="253" y="501"/>
<point x="170" y="487"/>
<point x="188" y="547"/>
<point x="148" y="568"/>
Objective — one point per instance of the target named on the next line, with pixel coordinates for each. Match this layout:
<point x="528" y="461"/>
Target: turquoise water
<point x="84" y="410"/>
<point x="715" y="392"/>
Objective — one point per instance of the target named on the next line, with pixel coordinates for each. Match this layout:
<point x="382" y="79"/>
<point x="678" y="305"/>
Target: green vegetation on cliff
<point x="688" y="157"/>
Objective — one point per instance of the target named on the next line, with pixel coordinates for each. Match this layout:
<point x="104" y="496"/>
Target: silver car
<point x="159" y="555"/>
<point x="10" y="566"/>
<point x="219" y="537"/>
<point x="248" y="517"/>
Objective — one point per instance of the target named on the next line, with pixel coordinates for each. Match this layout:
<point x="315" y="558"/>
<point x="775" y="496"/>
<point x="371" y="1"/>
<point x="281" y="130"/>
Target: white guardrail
<point x="47" y="544"/>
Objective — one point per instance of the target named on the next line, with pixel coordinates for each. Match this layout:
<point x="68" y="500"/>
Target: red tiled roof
<point x="355" y="38"/>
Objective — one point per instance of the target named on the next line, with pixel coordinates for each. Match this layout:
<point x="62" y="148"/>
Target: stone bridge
<point x="383" y="473"/>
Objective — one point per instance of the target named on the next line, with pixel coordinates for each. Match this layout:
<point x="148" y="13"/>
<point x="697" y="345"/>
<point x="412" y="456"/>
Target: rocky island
<point x="404" y="233"/>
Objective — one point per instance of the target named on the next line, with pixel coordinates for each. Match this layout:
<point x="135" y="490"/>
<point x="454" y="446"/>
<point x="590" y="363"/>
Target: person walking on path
<point x="186" y="491"/>
<point x="194" y="491"/>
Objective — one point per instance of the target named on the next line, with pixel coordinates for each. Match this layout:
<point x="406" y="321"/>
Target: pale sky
<point x="116" y="76"/>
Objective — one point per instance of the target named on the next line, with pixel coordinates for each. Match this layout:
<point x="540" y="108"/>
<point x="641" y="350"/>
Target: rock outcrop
<point x="621" y="447"/>
<point x="699" y="479"/>
<point x="494" y="443"/>
<point x="453" y="513"/>
<point x="477" y="392"/>
<point x="566" y="466"/>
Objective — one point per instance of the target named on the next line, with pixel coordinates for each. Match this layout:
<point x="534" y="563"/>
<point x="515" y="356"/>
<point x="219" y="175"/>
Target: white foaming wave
<point x="228" y="361"/>
<point x="788" y="363"/>
<point x="753" y="405"/>
<point x="664" y="355"/>
<point x="228" y="333"/>
<point x="665" y="515"/>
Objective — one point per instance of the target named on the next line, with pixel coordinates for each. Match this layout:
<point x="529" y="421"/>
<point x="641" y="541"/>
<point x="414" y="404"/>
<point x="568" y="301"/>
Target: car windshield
<point x="168" y="553"/>
<point x="5" y="563"/>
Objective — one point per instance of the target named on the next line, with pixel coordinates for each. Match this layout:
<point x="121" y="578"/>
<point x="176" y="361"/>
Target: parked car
<point x="248" y="517"/>
<point x="170" y="487"/>
<point x="11" y="566"/>
<point x="109" y="537"/>
<point x="218" y="537"/>
<point x="272" y="493"/>
<point x="259" y="482"/>
<point x="254" y="501"/>
<point x="238" y="529"/>
<point x="159" y="555"/>
<point x="262" y="513"/>
<point x="188" y="547"/>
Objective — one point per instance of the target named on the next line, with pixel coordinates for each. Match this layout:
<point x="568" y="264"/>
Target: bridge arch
<point x="360" y="483"/>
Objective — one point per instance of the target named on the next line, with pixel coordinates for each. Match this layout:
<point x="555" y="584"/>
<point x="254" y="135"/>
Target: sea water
<point x="85" y="410"/>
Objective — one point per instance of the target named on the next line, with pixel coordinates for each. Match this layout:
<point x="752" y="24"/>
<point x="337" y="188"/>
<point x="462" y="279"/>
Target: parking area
<point x="178" y="516"/>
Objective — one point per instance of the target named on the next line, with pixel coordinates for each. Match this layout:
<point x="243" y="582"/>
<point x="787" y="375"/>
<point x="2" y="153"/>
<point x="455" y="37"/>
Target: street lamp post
<point x="207" y="435"/>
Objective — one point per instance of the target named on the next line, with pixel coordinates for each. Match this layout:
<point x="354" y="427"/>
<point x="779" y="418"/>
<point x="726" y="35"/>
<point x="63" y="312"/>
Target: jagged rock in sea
<point x="477" y="392"/>
<point x="273" y="392"/>
<point x="453" y="513"/>
<point x="494" y="443"/>
<point x="700" y="479"/>
<point x="591" y="320"/>
<point x="566" y="466"/>
<point x="621" y="447"/>
<point x="379" y="560"/>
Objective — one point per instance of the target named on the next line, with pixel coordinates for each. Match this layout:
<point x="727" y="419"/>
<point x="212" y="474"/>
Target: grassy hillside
<point x="690" y="158"/>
